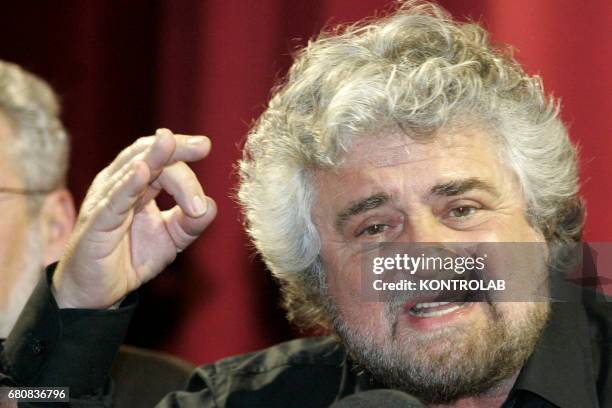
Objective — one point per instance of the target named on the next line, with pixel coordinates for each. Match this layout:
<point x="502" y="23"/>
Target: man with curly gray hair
<point x="412" y="129"/>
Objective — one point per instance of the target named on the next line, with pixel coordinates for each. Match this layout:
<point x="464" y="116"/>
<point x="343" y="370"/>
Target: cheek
<point x="521" y="231"/>
<point x="366" y="318"/>
<point x="516" y="314"/>
<point x="13" y="247"/>
<point x="344" y="287"/>
<point x="342" y="272"/>
<point x="13" y="231"/>
<point x="510" y="228"/>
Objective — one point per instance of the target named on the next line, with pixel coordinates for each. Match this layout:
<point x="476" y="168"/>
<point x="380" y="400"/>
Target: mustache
<point x="397" y="301"/>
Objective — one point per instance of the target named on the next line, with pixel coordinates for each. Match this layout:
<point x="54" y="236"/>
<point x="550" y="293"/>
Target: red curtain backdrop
<point x="124" y="68"/>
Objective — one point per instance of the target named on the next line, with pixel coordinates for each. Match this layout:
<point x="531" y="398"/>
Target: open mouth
<point x="434" y="309"/>
<point x="441" y="308"/>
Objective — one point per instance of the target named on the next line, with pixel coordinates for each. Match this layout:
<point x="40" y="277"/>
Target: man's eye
<point x="461" y="212"/>
<point x="374" y="229"/>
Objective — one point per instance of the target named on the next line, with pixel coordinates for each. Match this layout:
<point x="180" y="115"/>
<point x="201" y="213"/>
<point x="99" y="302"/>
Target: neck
<point x="493" y="397"/>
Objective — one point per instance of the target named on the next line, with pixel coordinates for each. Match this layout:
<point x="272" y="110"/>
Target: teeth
<point x="417" y="309"/>
<point x="432" y="304"/>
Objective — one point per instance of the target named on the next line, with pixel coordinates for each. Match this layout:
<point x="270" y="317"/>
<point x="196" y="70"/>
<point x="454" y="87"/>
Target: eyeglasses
<point x="25" y="191"/>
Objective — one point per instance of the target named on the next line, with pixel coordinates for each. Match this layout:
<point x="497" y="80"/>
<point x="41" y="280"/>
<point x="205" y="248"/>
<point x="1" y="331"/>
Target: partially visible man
<point x="37" y="216"/>
<point x="37" y="210"/>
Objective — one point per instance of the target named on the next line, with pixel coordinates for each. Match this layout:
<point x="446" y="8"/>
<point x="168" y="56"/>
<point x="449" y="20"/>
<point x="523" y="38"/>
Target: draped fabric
<point x="124" y="68"/>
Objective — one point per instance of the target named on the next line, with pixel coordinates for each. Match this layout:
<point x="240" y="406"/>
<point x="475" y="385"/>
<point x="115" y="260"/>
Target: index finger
<point x="187" y="148"/>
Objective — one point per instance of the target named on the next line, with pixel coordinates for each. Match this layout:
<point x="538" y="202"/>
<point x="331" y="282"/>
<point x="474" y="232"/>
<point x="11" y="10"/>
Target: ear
<point x="56" y="216"/>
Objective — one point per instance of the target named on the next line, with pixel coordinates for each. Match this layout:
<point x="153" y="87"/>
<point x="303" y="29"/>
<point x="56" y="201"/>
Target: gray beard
<point x="470" y="364"/>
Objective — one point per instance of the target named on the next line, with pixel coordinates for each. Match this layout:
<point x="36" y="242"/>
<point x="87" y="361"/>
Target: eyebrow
<point x="457" y="187"/>
<point x="448" y="189"/>
<point x="360" y="207"/>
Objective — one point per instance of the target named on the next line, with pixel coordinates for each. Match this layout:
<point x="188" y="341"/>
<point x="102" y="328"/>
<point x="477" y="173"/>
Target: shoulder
<point x="598" y="308"/>
<point x="599" y="313"/>
<point x="311" y="351"/>
<point x="309" y="369"/>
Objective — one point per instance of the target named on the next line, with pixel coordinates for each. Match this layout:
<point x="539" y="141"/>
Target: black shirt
<point x="569" y="368"/>
<point x="64" y="347"/>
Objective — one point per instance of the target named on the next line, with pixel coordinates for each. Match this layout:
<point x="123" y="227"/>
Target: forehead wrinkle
<point x="366" y="155"/>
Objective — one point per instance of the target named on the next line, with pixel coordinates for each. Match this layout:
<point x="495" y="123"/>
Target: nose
<point x="424" y="228"/>
<point x="420" y="238"/>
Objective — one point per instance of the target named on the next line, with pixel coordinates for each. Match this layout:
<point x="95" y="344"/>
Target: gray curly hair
<point x="40" y="148"/>
<point x="416" y="69"/>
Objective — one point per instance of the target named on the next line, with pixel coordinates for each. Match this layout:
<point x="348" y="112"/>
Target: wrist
<point x="59" y="292"/>
<point x="68" y="295"/>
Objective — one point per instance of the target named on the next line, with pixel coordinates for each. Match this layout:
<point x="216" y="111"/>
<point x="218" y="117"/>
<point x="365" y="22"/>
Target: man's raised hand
<point x="121" y="238"/>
